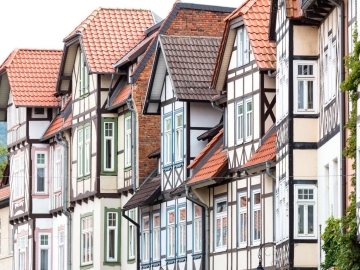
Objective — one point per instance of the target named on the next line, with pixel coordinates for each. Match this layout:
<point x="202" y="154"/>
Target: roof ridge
<point x="7" y="62"/>
<point x="175" y="36"/>
<point x="115" y="8"/>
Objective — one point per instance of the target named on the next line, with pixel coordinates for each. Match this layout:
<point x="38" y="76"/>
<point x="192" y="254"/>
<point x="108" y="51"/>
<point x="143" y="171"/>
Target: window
<point x="330" y="71"/>
<point x="44" y="253"/>
<point x="244" y="125"/>
<point x="84" y="76"/>
<point x="22" y="244"/>
<point x="131" y="235"/>
<point x="146" y="239"/>
<point x="182" y="232"/>
<point x="86" y="240"/>
<point x="87" y="154"/>
<point x="305" y="211"/>
<point x="243" y="47"/>
<point x="156" y="237"/>
<point x="305" y="75"/>
<point x="256" y="217"/>
<point x="178" y="137"/>
<point x="242" y="219"/>
<point x="80" y="152"/>
<point x="197" y="229"/>
<point x="40" y="172"/>
<point x="282" y="84"/>
<point x="171" y="234"/>
<point x="57" y="171"/>
<point x="109" y="146"/>
<point x="112" y="231"/>
<point x="220" y="224"/>
<point x="84" y="150"/>
<point x="167" y="141"/>
<point x="18" y="176"/>
<point x="61" y="250"/>
<point x="127" y="149"/>
<point x="38" y="112"/>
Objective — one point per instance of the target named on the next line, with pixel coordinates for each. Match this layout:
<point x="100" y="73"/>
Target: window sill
<point x="84" y="95"/>
<point x="131" y="261"/>
<point x="111" y="263"/>
<point x="219" y="250"/>
<point x="86" y="266"/>
<point x="181" y="259"/>
<point x="18" y="200"/>
<point x="82" y="178"/>
<point x="170" y="261"/>
<point x="179" y="164"/>
<point x="110" y="173"/>
<point x="196" y="256"/>
<point x="167" y="168"/>
<point x="126" y="169"/>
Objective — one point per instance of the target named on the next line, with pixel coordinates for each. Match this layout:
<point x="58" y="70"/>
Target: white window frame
<point x="127" y="148"/>
<point x="146" y="239"/>
<point x="38" y="115"/>
<point x="61" y="254"/>
<point x="249" y="119"/>
<point x="131" y="236"/>
<point x="243" y="220"/>
<point x="171" y="235"/>
<point x="88" y="233"/>
<point x="244" y="121"/>
<point x="306" y="203"/>
<point x="80" y="153"/>
<point x="178" y="137"/>
<point x="110" y="138"/>
<point x="305" y="78"/>
<point x="44" y="247"/>
<point x="22" y="245"/>
<point x="87" y="149"/>
<point x="243" y="47"/>
<point x="220" y="246"/>
<point x="156" y="237"/>
<point x="240" y="122"/>
<point x="40" y="166"/>
<point x="197" y="230"/>
<point x="181" y="233"/>
<point x="112" y="216"/>
<point x="84" y="76"/>
<point x="255" y="210"/>
<point x="58" y="169"/>
<point x="167" y="142"/>
<point x="18" y="173"/>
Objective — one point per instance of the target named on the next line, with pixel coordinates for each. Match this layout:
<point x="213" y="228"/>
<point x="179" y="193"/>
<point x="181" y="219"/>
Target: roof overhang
<point x="4" y="95"/>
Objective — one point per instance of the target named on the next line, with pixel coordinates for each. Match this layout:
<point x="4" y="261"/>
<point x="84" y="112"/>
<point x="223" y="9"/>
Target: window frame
<point x="114" y="154"/>
<point x="305" y="202"/>
<point x="221" y="216"/>
<point x="38" y="115"/>
<point x="197" y="236"/>
<point x="254" y="209"/>
<point x="61" y="256"/>
<point x="18" y="172"/>
<point x="44" y="247"/>
<point x="179" y="232"/>
<point x="178" y="144"/>
<point x="41" y="166"/>
<point x="153" y="238"/>
<point x="170" y="256"/>
<point x="241" y="211"/>
<point x="145" y="235"/>
<point x="117" y="228"/>
<point x="127" y="141"/>
<point x="81" y="165"/>
<point x="243" y="48"/>
<point x="57" y="169"/>
<point x="249" y="129"/>
<point x="244" y="133"/>
<point x="84" y="76"/>
<point x="167" y="142"/>
<point x="240" y="126"/>
<point x="90" y="231"/>
<point x="131" y="235"/>
<point x="22" y="246"/>
<point x="305" y="78"/>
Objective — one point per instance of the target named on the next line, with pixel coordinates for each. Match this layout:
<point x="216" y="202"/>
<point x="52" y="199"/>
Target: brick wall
<point x="188" y="22"/>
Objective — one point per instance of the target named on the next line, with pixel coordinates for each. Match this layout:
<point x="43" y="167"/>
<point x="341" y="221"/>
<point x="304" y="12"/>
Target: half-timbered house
<point x="28" y="104"/>
<point x="309" y="123"/>
<point x="100" y="160"/>
<point x="179" y="92"/>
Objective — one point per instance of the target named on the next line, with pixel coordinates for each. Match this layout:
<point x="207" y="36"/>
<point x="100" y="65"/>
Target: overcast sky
<point x="42" y="24"/>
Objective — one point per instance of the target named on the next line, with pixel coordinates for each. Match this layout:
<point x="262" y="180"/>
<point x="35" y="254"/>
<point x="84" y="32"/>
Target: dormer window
<point x="243" y="47"/>
<point x="84" y="76"/>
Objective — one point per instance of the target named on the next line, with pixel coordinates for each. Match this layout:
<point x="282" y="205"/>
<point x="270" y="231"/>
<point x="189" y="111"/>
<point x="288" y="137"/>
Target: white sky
<point x="42" y="24"/>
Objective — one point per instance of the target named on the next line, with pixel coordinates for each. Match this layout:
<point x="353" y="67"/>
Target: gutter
<point x="133" y="134"/>
<point x="342" y="106"/>
<point x="206" y="243"/>
<point x="137" y="237"/>
<point x="267" y="164"/>
<point x="65" y="188"/>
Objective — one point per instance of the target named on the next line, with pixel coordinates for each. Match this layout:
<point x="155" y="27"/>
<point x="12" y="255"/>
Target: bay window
<point x="243" y="220"/>
<point x="40" y="171"/>
<point x="220" y="208"/>
<point x="44" y="253"/>
<point x="305" y="86"/>
<point x="84" y="150"/>
<point x="178" y="137"/>
<point x="305" y="211"/>
<point x="167" y="141"/>
<point x="109" y="146"/>
<point x="256" y="217"/>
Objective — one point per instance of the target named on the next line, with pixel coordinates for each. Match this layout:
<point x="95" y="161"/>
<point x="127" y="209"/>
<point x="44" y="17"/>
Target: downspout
<point x="267" y="164"/>
<point x="271" y="75"/>
<point x="137" y="238"/>
<point x="65" y="211"/>
<point x="133" y="133"/>
<point x="342" y="106"/>
<point x="224" y="122"/>
<point x="206" y="244"/>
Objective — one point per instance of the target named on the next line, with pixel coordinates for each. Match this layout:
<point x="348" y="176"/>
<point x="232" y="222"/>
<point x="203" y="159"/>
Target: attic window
<point x="39" y="113"/>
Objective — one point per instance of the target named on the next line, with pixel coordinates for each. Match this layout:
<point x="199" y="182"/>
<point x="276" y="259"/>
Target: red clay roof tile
<point x="67" y="123"/>
<point x="266" y="152"/>
<point x="108" y="34"/>
<point x="32" y="76"/>
<point x="57" y="125"/>
<point x="122" y="95"/>
<point x="293" y="9"/>
<point x="4" y="192"/>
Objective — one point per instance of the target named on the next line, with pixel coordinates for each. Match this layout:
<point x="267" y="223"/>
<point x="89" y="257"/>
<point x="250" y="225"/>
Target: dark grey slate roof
<point x="211" y="132"/>
<point x="191" y="62"/>
<point x="155" y="154"/>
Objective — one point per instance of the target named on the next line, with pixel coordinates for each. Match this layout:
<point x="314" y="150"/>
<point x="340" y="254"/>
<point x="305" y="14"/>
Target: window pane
<point x="108" y="153"/>
<point x="310" y="94"/>
<point x="44" y="264"/>
<point x="224" y="240"/>
<point x="171" y="217"/>
<point x="300" y="219"/>
<point x="243" y="201"/>
<point x="310" y="219"/>
<point x="40" y="158"/>
<point x="146" y="223"/>
<point x="40" y="179"/>
<point x="221" y="207"/>
<point x="300" y="69"/>
<point x="111" y="240"/>
<point x="179" y="120"/>
<point x="182" y="214"/>
<point x="243" y="227"/>
<point x="256" y="198"/>
<point x="167" y="124"/>
<point x="197" y="211"/>
<point x="257" y="224"/>
<point x="218" y="233"/>
<point x="300" y="95"/>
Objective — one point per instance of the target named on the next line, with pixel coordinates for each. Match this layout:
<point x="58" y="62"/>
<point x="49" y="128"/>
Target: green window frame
<point x="112" y="215"/>
<point x="127" y="141"/>
<point x="109" y="146"/>
<point x="87" y="234"/>
<point x="84" y="151"/>
<point x="131" y="237"/>
<point x="84" y="75"/>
